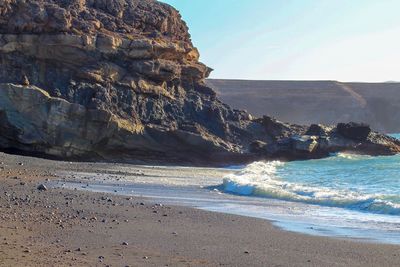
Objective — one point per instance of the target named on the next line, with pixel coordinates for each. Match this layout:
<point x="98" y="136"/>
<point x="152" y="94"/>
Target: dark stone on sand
<point x="42" y="187"/>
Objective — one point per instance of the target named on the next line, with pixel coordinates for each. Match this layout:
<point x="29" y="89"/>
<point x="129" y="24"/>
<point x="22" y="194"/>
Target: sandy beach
<point x="58" y="227"/>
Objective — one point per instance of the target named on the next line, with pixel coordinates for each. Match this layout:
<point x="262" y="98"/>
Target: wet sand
<point x="74" y="228"/>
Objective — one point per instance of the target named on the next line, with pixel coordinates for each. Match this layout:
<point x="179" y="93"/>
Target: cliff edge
<point x="121" y="80"/>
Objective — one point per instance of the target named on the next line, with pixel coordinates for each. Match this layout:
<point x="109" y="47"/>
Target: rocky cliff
<point x="121" y="80"/>
<point x="326" y="102"/>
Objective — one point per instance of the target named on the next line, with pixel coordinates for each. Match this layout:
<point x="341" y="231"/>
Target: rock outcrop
<point x="121" y="80"/>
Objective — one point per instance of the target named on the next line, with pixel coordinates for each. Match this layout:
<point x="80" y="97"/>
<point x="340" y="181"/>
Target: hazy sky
<point x="347" y="40"/>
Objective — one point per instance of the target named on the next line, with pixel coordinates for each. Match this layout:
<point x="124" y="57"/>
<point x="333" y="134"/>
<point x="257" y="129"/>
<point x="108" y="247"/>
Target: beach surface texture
<point x="45" y="226"/>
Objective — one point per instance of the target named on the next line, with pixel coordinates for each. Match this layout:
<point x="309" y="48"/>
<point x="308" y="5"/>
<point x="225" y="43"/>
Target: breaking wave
<point x="261" y="179"/>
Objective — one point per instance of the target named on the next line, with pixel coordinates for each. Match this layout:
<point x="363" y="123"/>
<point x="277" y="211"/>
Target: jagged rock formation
<point x="121" y="80"/>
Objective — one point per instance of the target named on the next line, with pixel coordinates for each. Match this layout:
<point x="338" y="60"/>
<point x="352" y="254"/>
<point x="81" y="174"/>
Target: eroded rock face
<point x="30" y="116"/>
<point x="121" y="80"/>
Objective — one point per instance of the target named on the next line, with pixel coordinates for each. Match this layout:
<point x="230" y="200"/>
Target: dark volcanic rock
<point x="355" y="131"/>
<point x="257" y="147"/>
<point x="318" y="130"/>
<point x="121" y="80"/>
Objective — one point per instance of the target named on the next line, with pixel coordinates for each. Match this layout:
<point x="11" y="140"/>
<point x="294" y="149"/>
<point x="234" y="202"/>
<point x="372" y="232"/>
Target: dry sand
<point x="73" y="228"/>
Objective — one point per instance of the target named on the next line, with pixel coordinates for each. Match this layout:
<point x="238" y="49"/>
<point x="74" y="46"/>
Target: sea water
<point x="345" y="195"/>
<point x="355" y="182"/>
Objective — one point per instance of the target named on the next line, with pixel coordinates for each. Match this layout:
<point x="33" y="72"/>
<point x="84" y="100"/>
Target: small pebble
<point x="42" y="187"/>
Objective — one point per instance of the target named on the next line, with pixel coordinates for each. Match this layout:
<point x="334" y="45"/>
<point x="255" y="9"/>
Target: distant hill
<point x="305" y="102"/>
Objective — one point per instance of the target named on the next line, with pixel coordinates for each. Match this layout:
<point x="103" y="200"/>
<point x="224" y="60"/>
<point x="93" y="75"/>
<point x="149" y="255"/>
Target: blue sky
<point x="347" y="40"/>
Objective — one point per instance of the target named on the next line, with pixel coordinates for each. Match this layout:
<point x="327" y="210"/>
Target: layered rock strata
<point x="121" y="80"/>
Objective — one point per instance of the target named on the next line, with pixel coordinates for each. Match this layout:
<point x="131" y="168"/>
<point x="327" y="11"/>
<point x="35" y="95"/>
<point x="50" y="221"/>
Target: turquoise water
<point x="363" y="183"/>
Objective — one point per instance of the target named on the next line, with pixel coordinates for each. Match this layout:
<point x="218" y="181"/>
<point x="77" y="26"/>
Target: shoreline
<point x="278" y="212"/>
<point x="68" y="227"/>
<point x="207" y="189"/>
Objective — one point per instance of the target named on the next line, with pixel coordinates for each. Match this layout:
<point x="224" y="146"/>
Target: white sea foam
<point x="260" y="179"/>
<point x="351" y="156"/>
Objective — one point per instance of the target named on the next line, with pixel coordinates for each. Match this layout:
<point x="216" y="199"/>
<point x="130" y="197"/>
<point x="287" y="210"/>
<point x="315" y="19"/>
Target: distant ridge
<point x="305" y="102"/>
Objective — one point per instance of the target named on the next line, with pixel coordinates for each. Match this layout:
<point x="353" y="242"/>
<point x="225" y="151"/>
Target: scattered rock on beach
<point x="42" y="187"/>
